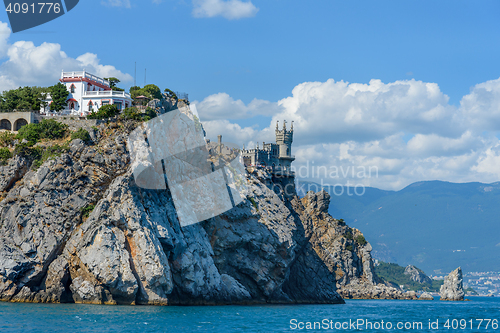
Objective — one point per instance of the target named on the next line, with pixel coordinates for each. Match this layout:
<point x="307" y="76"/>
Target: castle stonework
<point x="274" y="155"/>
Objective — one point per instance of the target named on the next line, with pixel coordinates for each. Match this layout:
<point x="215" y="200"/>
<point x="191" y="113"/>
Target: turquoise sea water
<point x="16" y="317"/>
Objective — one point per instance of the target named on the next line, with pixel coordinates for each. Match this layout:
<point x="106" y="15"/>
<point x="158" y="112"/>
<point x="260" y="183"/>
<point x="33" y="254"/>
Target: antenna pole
<point x="135" y="73"/>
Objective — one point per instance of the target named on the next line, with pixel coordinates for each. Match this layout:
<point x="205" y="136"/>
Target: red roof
<point x="142" y="96"/>
<point x="71" y="100"/>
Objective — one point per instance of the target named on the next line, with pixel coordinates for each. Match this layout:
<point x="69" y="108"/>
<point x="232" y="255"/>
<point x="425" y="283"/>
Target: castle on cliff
<point x="273" y="155"/>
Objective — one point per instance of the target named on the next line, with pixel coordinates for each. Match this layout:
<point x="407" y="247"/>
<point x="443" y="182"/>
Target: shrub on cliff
<point x="361" y="240"/>
<point x="6" y="139"/>
<point x="47" y="129"/>
<point x="105" y="111"/>
<point x="25" y="150"/>
<point x="30" y="132"/>
<point x="134" y="114"/>
<point x="5" y="154"/>
<point x="81" y="134"/>
<point x="170" y="93"/>
<point x="149" y="114"/>
<point x="50" y="152"/>
<point x="51" y="129"/>
<point x="131" y="114"/>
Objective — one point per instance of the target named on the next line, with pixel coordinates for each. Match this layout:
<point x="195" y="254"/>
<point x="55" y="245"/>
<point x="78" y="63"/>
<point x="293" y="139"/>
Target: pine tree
<point x="59" y="95"/>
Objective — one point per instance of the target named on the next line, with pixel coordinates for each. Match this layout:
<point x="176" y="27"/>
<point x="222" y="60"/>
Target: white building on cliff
<point x="88" y="93"/>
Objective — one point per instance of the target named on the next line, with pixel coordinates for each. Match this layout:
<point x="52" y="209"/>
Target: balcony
<point x="83" y="74"/>
<point x="107" y="93"/>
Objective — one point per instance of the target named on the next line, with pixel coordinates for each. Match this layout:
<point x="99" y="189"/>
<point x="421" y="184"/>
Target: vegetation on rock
<point x="25" y="98"/>
<point x="134" y="114"/>
<point x="59" y="94"/>
<point x="87" y="210"/>
<point x="49" y="152"/>
<point x="46" y="129"/>
<point x="361" y="240"/>
<point x="6" y="139"/>
<point x="113" y="81"/>
<point x="394" y="273"/>
<point x="105" y="111"/>
<point x="151" y="91"/>
<point x="81" y="134"/>
<point x="5" y="154"/>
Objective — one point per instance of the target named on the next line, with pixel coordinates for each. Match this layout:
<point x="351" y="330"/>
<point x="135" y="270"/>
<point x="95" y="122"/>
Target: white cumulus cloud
<point x="4" y="39"/>
<point x="229" y="9"/>
<point x="223" y="106"/>
<point x="339" y="111"/>
<point x="28" y="65"/>
<point x="403" y="131"/>
<point x="481" y="108"/>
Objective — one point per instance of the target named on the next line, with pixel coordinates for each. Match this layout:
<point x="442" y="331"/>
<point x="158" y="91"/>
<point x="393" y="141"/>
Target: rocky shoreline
<point x="78" y="230"/>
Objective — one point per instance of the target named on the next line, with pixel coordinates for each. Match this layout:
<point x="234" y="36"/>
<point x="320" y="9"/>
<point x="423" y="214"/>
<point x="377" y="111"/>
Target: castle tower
<point x="284" y="139"/>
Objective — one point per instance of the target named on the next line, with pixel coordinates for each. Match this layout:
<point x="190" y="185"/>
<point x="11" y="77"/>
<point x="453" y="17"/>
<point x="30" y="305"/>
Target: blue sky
<point x="453" y="43"/>
<point x="241" y="60"/>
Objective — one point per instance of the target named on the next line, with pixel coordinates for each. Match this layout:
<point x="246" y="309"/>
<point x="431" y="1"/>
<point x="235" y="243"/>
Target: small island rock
<point x="426" y="297"/>
<point x="452" y="289"/>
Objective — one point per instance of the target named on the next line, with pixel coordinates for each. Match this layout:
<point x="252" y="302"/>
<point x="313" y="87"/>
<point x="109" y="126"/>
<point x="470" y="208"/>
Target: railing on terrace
<point x="15" y="110"/>
<point x="107" y="93"/>
<point x="66" y="112"/>
<point x="84" y="74"/>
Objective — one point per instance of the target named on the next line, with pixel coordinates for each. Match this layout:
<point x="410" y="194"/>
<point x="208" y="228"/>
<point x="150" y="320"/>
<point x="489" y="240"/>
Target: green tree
<point x="152" y="91"/>
<point x="59" y="95"/>
<point x="134" y="88"/>
<point x="170" y="93"/>
<point x="105" y="111"/>
<point x="113" y="81"/>
<point x="10" y="99"/>
<point x="25" y="98"/>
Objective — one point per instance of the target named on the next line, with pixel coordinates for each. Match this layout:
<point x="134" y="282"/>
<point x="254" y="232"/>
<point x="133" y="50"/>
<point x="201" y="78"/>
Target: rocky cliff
<point x="452" y="289"/>
<point x="78" y="229"/>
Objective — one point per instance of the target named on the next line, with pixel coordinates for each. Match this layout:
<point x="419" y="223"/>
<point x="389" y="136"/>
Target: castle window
<point x="288" y="151"/>
<point x="72" y="88"/>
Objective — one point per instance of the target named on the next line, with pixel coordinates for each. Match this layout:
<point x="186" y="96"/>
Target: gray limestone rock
<point x="452" y="289"/>
<point x="12" y="172"/>
<point x="426" y="297"/>
<point x="78" y="229"/>
<point x="417" y="275"/>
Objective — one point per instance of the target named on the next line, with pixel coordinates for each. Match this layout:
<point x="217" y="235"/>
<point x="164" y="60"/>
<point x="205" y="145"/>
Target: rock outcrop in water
<point x="426" y="297"/>
<point x="79" y="230"/>
<point x="452" y="289"/>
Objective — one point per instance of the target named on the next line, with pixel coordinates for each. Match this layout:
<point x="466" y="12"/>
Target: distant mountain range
<point x="435" y="225"/>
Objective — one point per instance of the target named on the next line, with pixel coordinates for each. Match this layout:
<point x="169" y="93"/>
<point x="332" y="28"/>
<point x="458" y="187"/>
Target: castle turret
<point x="284" y="139"/>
